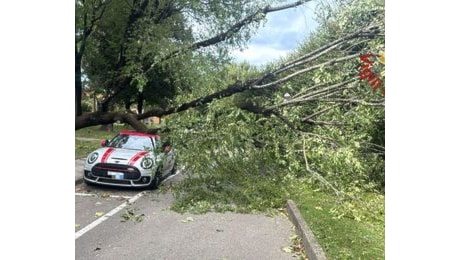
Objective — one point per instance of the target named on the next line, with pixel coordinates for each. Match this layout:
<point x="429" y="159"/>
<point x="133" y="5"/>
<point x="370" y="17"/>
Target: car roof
<point x="139" y="134"/>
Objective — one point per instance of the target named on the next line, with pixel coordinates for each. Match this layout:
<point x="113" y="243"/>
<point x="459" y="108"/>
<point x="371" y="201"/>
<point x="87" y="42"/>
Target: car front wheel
<point x="155" y="182"/>
<point x="174" y="170"/>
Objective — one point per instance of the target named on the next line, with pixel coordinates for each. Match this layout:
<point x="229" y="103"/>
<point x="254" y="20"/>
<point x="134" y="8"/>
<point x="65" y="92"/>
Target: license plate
<point x="115" y="175"/>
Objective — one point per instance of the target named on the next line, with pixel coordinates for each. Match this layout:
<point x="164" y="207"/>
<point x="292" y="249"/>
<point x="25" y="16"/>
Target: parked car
<point x="130" y="159"/>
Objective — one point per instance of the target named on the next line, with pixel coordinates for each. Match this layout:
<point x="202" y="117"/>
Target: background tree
<point x="149" y="44"/>
<point x="87" y="14"/>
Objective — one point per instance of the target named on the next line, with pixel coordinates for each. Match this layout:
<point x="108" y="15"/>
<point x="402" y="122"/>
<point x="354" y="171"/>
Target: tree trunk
<point x="78" y="85"/>
<point x="128" y="103"/>
<point x="140" y="102"/>
<point x="95" y="103"/>
<point x="108" y="127"/>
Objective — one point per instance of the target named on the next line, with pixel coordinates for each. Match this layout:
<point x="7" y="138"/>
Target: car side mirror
<point x="104" y="143"/>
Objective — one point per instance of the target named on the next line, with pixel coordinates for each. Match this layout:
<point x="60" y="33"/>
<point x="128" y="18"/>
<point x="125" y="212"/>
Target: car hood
<point x="122" y="156"/>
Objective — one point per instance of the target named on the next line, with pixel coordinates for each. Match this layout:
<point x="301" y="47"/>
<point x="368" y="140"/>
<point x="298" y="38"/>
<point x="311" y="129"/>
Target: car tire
<point x="155" y="182"/>
<point x="174" y="170"/>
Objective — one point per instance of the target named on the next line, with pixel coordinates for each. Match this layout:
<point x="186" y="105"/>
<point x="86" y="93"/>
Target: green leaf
<point x="287" y="249"/>
<point x="188" y="219"/>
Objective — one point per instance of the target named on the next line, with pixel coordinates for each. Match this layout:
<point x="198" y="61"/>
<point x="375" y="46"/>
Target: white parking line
<point x="96" y="195"/>
<point x="106" y="216"/>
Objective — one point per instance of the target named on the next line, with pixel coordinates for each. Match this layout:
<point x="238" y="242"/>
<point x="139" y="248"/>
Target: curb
<point x="311" y="246"/>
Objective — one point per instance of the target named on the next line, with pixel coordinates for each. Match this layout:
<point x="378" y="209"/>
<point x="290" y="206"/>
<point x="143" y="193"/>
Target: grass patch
<point x="84" y="147"/>
<point x="342" y="237"/>
<point x="95" y="132"/>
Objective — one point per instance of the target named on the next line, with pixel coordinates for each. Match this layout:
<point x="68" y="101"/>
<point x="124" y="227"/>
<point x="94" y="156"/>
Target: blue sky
<point x="281" y="34"/>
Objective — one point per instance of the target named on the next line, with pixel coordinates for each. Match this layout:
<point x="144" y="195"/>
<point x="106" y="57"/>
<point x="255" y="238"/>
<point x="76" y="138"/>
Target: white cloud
<point x="258" y="55"/>
<point x="282" y="34"/>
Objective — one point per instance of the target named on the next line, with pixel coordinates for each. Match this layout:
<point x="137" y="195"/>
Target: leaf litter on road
<point x="130" y="214"/>
<point x="296" y="249"/>
<point x="188" y="219"/>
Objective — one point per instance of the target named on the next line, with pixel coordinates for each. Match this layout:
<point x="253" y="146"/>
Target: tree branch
<point x="305" y="98"/>
<point x="372" y="29"/>
<point x="229" y="32"/>
<point x="317" y="175"/>
<point x="334" y="142"/>
<point x="320" y="112"/>
<point x="353" y="101"/>
<point x="292" y="75"/>
<point x="313" y="122"/>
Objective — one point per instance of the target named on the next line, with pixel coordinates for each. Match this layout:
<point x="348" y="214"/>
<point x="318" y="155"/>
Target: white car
<point x="130" y="159"/>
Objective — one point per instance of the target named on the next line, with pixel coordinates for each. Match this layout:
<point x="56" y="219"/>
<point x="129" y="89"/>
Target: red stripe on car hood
<point x="137" y="157"/>
<point x="107" y="154"/>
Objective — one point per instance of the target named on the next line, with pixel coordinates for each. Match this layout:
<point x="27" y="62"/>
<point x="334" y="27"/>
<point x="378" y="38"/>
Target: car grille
<point x="116" y="181"/>
<point x="102" y="169"/>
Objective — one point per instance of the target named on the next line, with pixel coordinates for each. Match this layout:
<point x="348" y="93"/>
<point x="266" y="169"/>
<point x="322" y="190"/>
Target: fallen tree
<point x="271" y="79"/>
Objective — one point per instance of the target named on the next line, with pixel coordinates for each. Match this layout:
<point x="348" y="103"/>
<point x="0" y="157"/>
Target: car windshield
<point x="133" y="142"/>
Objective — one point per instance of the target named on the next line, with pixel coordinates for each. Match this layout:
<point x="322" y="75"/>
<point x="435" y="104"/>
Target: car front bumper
<point x="142" y="181"/>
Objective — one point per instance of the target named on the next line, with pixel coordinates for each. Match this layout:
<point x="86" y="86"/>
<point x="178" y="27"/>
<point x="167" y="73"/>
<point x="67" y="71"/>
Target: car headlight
<point x="147" y="163"/>
<point x="92" y="157"/>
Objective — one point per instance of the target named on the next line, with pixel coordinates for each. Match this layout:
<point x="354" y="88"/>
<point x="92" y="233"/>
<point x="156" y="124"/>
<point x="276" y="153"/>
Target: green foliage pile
<point x="224" y="140"/>
<point x="343" y="237"/>
<point x="237" y="160"/>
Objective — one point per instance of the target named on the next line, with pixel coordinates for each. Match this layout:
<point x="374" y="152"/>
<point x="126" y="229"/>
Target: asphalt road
<point x="164" y="234"/>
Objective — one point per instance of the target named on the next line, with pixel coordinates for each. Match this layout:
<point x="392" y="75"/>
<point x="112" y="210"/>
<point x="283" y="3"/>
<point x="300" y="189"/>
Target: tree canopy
<point x="148" y="50"/>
